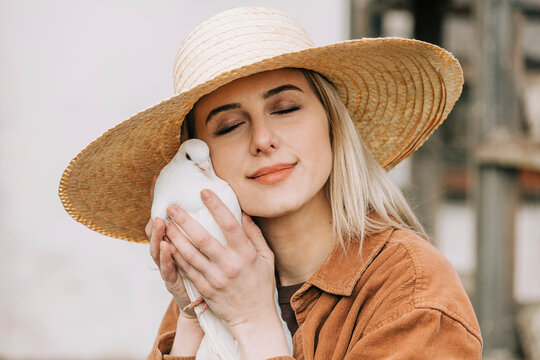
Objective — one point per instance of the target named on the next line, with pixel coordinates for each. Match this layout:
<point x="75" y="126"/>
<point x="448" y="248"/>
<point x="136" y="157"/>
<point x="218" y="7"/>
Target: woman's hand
<point x="164" y="253"/>
<point x="237" y="280"/>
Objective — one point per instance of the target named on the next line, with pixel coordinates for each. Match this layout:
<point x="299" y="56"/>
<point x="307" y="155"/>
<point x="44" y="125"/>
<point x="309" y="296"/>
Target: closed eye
<point x="228" y="129"/>
<point x="288" y="110"/>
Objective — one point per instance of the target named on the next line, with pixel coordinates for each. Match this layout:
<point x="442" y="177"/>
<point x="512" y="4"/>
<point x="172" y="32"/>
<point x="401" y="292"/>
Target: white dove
<point x="180" y="182"/>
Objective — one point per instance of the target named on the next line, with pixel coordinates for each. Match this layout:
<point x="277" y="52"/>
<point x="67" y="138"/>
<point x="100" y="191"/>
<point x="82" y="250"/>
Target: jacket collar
<point x="342" y="268"/>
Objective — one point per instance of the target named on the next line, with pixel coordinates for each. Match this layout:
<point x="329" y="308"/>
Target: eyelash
<point x="280" y="112"/>
<point x="286" y="111"/>
<point x="228" y="129"/>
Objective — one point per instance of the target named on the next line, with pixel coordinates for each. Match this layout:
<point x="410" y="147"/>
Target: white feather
<point x="180" y="183"/>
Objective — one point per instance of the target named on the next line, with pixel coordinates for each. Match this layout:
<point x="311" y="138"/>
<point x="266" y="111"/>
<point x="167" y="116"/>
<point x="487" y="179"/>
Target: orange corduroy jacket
<point x="401" y="299"/>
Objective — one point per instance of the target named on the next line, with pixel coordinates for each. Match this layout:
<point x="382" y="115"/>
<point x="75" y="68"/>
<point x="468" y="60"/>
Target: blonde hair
<point x="363" y="198"/>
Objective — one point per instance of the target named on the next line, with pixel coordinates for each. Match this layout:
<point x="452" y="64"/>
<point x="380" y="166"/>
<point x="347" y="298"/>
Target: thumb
<point x="254" y="234"/>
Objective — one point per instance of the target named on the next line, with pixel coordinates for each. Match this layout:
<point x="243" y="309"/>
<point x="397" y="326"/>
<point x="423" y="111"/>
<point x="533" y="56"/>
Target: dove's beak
<point x="206" y="167"/>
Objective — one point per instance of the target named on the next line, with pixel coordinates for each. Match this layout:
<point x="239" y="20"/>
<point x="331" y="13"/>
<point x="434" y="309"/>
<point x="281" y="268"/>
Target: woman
<point x="322" y="218"/>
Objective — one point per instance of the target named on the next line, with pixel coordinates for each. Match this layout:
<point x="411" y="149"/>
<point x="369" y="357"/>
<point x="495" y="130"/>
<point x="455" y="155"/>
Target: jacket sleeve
<point x="167" y="331"/>
<point x="419" y="334"/>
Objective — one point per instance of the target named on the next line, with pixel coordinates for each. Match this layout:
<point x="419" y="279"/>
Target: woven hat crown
<point x="233" y="39"/>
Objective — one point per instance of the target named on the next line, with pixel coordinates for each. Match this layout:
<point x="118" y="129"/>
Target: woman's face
<point x="269" y="139"/>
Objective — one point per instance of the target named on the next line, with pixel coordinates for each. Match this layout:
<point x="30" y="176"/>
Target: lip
<point x="273" y="174"/>
<point x="270" y="169"/>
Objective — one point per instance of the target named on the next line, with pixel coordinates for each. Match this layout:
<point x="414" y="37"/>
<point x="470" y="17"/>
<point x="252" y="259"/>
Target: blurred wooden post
<point x="496" y="198"/>
<point x="365" y="18"/>
<point x="426" y="192"/>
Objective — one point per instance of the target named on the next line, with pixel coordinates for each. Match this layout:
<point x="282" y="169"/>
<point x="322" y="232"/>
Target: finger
<point x="193" y="256"/>
<point x="232" y="230"/>
<point x="148" y="228"/>
<point x="168" y="268"/>
<point x="158" y="230"/>
<point x="154" y="179"/>
<point x="254" y="234"/>
<point x="190" y="271"/>
<point x="197" y="233"/>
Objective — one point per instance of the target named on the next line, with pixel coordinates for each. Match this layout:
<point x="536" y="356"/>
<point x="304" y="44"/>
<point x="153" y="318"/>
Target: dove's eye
<point x="188" y="157"/>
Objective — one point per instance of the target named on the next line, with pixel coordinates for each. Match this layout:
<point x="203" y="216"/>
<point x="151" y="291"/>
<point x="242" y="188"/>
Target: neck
<point x="300" y="240"/>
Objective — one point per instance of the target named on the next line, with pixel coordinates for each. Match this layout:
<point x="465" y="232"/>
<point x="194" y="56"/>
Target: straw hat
<point x="397" y="92"/>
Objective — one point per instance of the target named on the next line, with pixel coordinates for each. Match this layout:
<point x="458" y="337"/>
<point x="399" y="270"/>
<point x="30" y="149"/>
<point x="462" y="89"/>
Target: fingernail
<point x="206" y="194"/>
<point x="172" y="210"/>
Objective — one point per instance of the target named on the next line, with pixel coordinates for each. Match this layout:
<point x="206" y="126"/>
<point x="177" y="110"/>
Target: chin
<point x="273" y="206"/>
<point x="272" y="212"/>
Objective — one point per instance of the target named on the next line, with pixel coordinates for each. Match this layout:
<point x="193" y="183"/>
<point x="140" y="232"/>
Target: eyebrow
<point x="279" y="89"/>
<point x="265" y="96"/>
<point x="220" y="109"/>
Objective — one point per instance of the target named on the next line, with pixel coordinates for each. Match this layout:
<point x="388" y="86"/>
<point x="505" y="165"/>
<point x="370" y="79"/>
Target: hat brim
<point x="398" y="91"/>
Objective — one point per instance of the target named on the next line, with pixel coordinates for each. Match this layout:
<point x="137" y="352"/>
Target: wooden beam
<point x="510" y="152"/>
<point x="496" y="196"/>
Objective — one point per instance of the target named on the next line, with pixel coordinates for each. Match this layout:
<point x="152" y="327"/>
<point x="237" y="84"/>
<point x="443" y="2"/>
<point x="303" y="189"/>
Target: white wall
<point x="70" y="70"/>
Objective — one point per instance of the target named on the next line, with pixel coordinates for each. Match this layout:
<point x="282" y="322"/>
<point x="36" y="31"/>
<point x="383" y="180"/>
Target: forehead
<point x="253" y="85"/>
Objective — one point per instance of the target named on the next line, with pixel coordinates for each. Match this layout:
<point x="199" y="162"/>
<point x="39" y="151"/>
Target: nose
<point x="263" y="138"/>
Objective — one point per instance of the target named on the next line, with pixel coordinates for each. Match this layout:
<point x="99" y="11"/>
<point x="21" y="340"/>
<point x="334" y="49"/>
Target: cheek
<point x="318" y="154"/>
<point x="320" y="158"/>
<point x="315" y="143"/>
<point x="226" y="165"/>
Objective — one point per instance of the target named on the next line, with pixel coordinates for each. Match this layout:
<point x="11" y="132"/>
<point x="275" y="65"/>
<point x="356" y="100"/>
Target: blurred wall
<point x="70" y="70"/>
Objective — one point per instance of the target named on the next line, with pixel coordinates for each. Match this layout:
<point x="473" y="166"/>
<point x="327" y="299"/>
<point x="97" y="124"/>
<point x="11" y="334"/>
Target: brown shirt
<point x="285" y="293"/>
<point x="400" y="299"/>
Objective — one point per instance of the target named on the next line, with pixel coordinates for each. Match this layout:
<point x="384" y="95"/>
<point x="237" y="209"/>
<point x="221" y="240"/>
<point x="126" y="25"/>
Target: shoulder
<point x="422" y="278"/>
